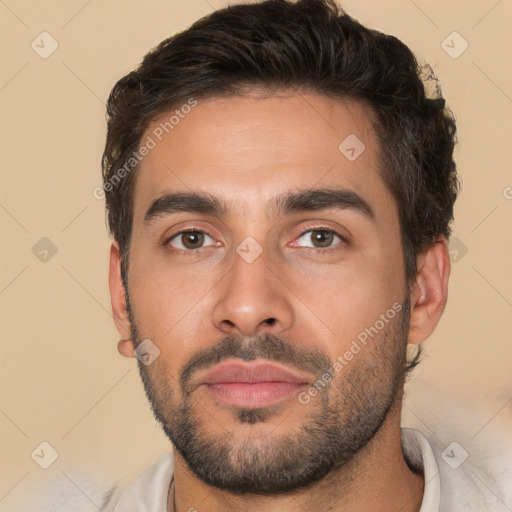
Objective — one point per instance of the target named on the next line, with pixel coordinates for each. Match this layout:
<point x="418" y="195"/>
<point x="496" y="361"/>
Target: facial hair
<point x="339" y="421"/>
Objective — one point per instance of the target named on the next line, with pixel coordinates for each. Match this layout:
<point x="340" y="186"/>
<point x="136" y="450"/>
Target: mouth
<point x="253" y="384"/>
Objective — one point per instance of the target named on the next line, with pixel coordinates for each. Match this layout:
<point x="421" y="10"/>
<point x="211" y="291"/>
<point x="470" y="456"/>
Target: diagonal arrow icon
<point x="351" y="147"/>
<point x="44" y="250"/>
<point x="454" y="45"/>
<point x="147" y="352"/>
<point x="456" y="249"/>
<point x="247" y="252"/>
<point x="44" y="455"/>
<point x="454" y="455"/>
<point x="44" y="45"/>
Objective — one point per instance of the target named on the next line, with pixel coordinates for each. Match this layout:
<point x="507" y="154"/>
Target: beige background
<point x="62" y="380"/>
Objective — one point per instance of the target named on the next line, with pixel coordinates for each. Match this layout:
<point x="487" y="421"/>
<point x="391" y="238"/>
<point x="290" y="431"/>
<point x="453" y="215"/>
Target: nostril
<point x="270" y="321"/>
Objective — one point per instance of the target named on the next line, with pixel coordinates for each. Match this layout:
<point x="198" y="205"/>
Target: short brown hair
<point x="308" y="44"/>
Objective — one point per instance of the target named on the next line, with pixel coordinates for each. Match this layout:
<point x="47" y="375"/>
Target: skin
<point x="245" y="151"/>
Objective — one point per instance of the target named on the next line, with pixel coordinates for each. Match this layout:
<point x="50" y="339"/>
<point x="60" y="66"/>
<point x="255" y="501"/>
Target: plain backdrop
<point x="62" y="380"/>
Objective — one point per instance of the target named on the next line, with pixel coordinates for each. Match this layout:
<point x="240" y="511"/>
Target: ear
<point x="429" y="292"/>
<point x="118" y="300"/>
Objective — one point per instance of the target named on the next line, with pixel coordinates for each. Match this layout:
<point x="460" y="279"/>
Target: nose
<point x="253" y="299"/>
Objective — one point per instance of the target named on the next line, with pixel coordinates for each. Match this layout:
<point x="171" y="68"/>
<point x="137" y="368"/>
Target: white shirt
<point x="452" y="483"/>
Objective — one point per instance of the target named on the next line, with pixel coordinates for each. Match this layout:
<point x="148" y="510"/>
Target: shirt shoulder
<point x="464" y="481"/>
<point x="148" y="492"/>
<point x="454" y="480"/>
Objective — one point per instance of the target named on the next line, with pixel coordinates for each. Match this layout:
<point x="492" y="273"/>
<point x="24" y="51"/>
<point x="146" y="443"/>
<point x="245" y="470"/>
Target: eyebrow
<point x="194" y="202"/>
<point x="291" y="202"/>
<point x="321" y="199"/>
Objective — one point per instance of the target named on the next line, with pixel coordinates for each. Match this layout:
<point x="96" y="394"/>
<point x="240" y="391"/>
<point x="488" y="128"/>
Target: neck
<point x="377" y="478"/>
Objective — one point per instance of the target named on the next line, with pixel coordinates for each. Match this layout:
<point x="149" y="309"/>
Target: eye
<point x="318" y="239"/>
<point x="189" y="240"/>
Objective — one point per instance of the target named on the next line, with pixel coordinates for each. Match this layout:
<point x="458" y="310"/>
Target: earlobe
<point x="118" y="300"/>
<point x="429" y="293"/>
<point x="126" y="348"/>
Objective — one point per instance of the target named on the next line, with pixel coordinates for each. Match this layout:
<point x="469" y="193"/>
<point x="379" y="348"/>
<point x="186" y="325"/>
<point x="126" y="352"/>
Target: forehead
<point x="248" y="149"/>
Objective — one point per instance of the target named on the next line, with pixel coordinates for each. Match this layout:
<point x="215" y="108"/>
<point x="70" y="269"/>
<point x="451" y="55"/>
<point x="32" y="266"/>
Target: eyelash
<point x="191" y="252"/>
<point x="188" y="252"/>
<point x="343" y="239"/>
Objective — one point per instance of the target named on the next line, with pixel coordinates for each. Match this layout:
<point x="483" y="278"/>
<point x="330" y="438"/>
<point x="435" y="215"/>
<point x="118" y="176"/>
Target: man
<point x="280" y="190"/>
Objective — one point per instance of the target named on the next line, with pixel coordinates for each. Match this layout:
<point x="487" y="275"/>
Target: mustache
<point x="265" y="346"/>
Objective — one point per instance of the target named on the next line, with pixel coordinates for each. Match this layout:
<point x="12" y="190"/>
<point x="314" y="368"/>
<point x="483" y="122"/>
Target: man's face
<point x="291" y="261"/>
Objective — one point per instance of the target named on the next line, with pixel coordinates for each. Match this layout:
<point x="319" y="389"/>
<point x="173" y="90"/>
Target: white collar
<point x="148" y="492"/>
<point x="419" y="452"/>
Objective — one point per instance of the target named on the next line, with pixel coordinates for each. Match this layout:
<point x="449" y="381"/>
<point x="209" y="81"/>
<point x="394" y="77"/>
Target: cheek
<point x="161" y="304"/>
<point x="169" y="304"/>
<point x="342" y="300"/>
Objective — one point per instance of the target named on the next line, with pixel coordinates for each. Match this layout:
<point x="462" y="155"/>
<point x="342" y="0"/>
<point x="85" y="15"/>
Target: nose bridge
<point x="251" y="267"/>
<point x="253" y="298"/>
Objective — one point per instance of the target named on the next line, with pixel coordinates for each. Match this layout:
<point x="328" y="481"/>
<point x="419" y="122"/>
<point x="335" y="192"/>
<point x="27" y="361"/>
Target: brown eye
<point x="322" y="238"/>
<point x="190" y="240"/>
<point x="193" y="239"/>
<point x="319" y="238"/>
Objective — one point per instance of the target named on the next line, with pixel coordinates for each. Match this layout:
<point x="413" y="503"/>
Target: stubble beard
<point x="338" y="423"/>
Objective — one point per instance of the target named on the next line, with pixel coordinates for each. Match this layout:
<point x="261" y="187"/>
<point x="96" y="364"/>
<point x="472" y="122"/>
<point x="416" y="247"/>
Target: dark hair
<point x="309" y="45"/>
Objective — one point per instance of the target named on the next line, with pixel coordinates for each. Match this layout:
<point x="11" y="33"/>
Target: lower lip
<point x="256" y="394"/>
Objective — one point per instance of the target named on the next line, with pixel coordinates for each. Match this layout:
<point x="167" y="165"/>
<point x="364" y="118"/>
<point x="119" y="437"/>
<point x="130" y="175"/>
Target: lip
<point x="252" y="384"/>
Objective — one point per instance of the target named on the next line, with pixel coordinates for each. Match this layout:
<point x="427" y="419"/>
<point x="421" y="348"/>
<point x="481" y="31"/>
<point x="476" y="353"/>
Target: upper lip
<point x="251" y="372"/>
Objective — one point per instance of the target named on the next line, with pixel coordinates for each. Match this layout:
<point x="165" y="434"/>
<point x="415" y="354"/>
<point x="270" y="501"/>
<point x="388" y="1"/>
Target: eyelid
<point x="344" y="239"/>
<point x="177" y="236"/>
<point x="326" y="229"/>
<point x="190" y="229"/>
<point x="196" y="228"/>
